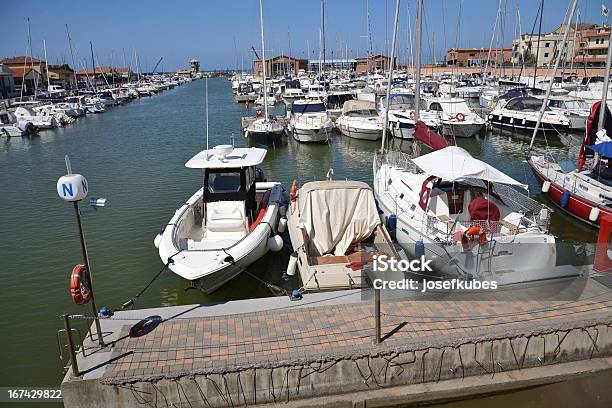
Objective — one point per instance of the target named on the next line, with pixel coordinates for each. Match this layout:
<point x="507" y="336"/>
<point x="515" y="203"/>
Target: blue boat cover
<point x="604" y="148"/>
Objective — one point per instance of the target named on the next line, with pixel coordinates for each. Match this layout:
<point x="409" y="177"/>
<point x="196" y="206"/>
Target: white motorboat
<point x="245" y="92"/>
<point x="293" y="92"/>
<point x="40" y="120"/>
<point x="465" y="216"/>
<point x="521" y="113"/>
<point x="227" y="224"/>
<point x="10" y="127"/>
<point x="335" y="231"/>
<point x="360" y="120"/>
<point x="402" y="115"/>
<point x="577" y="110"/>
<point x="455" y="118"/>
<point x="309" y="121"/>
<point x="335" y="101"/>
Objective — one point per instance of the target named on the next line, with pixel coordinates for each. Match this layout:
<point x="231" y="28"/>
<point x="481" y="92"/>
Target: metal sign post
<point x="73" y="188"/>
<point x="377" y="340"/>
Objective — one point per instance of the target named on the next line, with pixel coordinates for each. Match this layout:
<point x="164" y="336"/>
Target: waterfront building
<point x="543" y="49"/>
<point x="280" y="65"/>
<point x="372" y="63"/>
<point x="478" y="57"/>
<point x="592" y="48"/>
<point x="7" y="83"/>
<point x="28" y="73"/>
<point x="62" y="75"/>
<point x="98" y="75"/>
<point x="332" y="64"/>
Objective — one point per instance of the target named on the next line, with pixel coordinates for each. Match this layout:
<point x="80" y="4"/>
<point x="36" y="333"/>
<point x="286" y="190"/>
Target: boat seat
<point x="225" y="216"/>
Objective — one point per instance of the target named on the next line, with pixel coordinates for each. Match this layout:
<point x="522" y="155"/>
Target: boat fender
<point x="594" y="214"/>
<point x="157" y="240"/>
<point x="293" y="258"/>
<point x="282" y="225"/>
<point x="275" y="243"/>
<point x="546" y="186"/>
<point x="460" y="117"/>
<point x="472" y="231"/>
<point x="282" y="209"/>
<point x="296" y="295"/>
<point x="564" y="199"/>
<point x="544" y="215"/>
<point x="419" y="248"/>
<point x="392" y="222"/>
<point x="412" y="115"/>
<point x="79" y="285"/>
<point x="293" y="191"/>
<point x="263" y="207"/>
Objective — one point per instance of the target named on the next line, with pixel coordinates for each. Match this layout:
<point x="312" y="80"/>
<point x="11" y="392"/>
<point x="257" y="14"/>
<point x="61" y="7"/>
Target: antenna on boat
<point x="554" y="72"/>
<point x="206" y="82"/>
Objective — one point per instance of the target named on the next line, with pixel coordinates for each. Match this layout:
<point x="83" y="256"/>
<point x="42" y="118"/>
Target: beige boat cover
<point x="336" y="214"/>
<point x="357" y="105"/>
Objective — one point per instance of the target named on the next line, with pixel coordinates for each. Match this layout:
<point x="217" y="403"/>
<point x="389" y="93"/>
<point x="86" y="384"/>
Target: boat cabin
<point x="451" y="106"/>
<point x="302" y="107"/>
<point x="229" y="198"/>
<point x="525" y="104"/>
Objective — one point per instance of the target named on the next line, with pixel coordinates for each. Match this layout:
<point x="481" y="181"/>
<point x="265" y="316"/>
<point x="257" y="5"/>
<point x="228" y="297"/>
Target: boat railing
<point x="396" y="159"/>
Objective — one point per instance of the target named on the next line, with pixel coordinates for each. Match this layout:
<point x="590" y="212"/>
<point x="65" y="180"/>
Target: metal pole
<point x="604" y="92"/>
<point x="89" y="272"/>
<point x="73" y="360"/>
<point x="417" y="76"/>
<point x="390" y="78"/>
<point x="377" y="314"/>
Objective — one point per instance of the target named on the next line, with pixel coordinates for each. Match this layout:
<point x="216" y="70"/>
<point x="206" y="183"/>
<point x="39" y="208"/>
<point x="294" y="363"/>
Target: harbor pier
<point x="320" y="351"/>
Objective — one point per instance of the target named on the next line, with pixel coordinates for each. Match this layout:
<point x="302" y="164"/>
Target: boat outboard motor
<point x="259" y="175"/>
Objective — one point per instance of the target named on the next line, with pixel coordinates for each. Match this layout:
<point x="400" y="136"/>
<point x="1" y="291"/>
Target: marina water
<point x="134" y="155"/>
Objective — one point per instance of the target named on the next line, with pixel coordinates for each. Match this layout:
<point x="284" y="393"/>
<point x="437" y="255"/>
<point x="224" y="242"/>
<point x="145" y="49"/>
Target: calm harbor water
<point x="134" y="155"/>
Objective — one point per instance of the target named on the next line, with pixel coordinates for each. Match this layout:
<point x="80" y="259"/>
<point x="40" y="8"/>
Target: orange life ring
<point x="293" y="191"/>
<point x="472" y="231"/>
<point x="412" y="115"/>
<point x="460" y="117"/>
<point x="79" y="285"/>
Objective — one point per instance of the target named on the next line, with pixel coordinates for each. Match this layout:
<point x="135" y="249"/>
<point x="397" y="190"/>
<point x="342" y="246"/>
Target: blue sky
<point x="211" y="31"/>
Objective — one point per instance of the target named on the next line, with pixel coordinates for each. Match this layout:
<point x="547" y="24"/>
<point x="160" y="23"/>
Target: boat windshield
<point x="399" y="102"/>
<point x="576" y="104"/>
<point x="227" y="182"/>
<point x="525" y="104"/>
<point x="308" y="108"/>
<point x="455" y="107"/>
<point x="365" y="113"/>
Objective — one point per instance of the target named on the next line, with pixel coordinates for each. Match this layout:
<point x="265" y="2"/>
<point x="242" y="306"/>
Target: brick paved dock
<point x="324" y="329"/>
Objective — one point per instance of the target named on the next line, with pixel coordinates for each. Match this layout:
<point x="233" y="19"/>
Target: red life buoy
<point x="79" y="285"/>
<point x="293" y="191"/>
<point x="460" y="117"/>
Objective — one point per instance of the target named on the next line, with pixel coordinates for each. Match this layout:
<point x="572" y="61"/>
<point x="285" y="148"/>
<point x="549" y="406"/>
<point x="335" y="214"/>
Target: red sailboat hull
<point x="577" y="206"/>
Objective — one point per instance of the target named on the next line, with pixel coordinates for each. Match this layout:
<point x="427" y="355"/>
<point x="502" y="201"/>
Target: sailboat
<point x="470" y="219"/>
<point x="585" y="192"/>
<point x="266" y="129"/>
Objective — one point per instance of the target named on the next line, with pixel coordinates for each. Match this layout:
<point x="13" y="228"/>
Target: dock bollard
<point x="70" y="344"/>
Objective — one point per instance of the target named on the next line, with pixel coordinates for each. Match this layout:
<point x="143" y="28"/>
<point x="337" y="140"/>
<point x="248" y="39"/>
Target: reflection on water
<point x="134" y="155"/>
<point x="591" y="391"/>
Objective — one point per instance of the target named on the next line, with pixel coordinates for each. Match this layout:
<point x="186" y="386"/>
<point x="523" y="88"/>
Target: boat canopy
<point x="231" y="158"/>
<point x="308" y="107"/>
<point x="336" y="214"/>
<point x="425" y="135"/>
<point x="526" y="103"/>
<point x="454" y="163"/>
<point x="358" y="105"/>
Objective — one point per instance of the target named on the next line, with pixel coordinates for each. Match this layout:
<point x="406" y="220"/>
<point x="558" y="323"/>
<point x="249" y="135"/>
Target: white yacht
<point x="227" y="224"/>
<point x="577" y="110"/>
<point x="360" y="120"/>
<point x="40" y="120"/>
<point x="521" y="113"/>
<point x="402" y="115"/>
<point x="309" y="121"/>
<point x="465" y="216"/>
<point x="455" y="118"/>
<point x="10" y="127"/>
<point x="293" y="92"/>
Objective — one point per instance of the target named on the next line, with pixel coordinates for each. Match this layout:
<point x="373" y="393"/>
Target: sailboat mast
<point x="550" y="83"/>
<point x="93" y="64"/>
<point x="31" y="61"/>
<point x="417" y="77"/>
<point x="535" y="69"/>
<point x="76" y="82"/>
<point x="390" y="76"/>
<point x="47" y="65"/>
<point x="263" y="60"/>
<point x="604" y="91"/>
